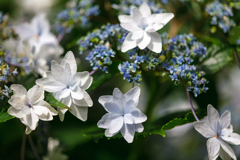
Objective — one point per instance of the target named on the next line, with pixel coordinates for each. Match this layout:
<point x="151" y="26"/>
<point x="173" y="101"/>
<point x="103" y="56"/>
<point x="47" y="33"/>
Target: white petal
<point x="116" y="124"/>
<point x="28" y="130"/>
<point x="17" y="102"/>
<point x="25" y="109"/>
<point x="137" y="35"/>
<point x="58" y="72"/>
<point x="227" y="149"/>
<point x="61" y="113"/>
<point x="233" y="138"/>
<point x="204" y="129"/>
<point x="77" y="93"/>
<point x="155" y="44"/>
<point x="70" y="59"/>
<point x="86" y="101"/>
<point x="138" y="116"/>
<point x="145" y="10"/>
<point x="112" y="107"/>
<point x="128" y="43"/>
<point x="24" y="30"/>
<point x="40" y="110"/>
<point x="128" y="119"/>
<point x="67" y="71"/>
<point x="133" y="94"/>
<point x="131" y="27"/>
<point x="50" y="85"/>
<point x="67" y="101"/>
<point x="40" y="23"/>
<point x="128" y="106"/>
<point x="213" y="146"/>
<point x="118" y="98"/>
<point x="104" y="99"/>
<point x="79" y="112"/>
<point x="62" y="93"/>
<point x="108" y="134"/>
<point x="52" y="111"/>
<point x="125" y="19"/>
<point x="157" y="21"/>
<point x="87" y="84"/>
<point x="137" y="15"/>
<point x="139" y="127"/>
<point x="128" y="131"/>
<point x="18" y="89"/>
<point x="105" y="121"/>
<point x="79" y="77"/>
<point x="15" y="112"/>
<point x="213" y="117"/>
<point x="35" y="94"/>
<point x="31" y="120"/>
<point x="145" y="41"/>
<point x="225" y="119"/>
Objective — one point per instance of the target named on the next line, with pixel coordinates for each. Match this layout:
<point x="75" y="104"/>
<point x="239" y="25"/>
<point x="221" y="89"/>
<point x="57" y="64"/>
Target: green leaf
<point x="4" y="116"/>
<point x="99" y="79"/>
<point x="155" y="128"/>
<point x="53" y="102"/>
<point x="234" y="34"/>
<point x="217" y="57"/>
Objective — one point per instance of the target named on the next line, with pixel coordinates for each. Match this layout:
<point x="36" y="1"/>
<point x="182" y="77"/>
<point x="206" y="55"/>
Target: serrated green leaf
<point x="217" y="57"/>
<point x="155" y="128"/>
<point x="52" y="101"/>
<point x="4" y="116"/>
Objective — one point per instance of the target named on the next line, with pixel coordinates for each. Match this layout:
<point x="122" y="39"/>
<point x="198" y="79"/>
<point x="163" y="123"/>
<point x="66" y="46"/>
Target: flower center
<point x="143" y="23"/>
<point x="216" y="136"/>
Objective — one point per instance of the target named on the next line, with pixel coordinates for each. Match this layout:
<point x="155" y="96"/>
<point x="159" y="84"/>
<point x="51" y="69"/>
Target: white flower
<point x="122" y="114"/>
<point x="29" y="106"/>
<point x="54" y="151"/>
<point x="40" y="61"/>
<point x="68" y="86"/>
<point x="37" y="33"/>
<point x="220" y="133"/>
<point x="143" y="26"/>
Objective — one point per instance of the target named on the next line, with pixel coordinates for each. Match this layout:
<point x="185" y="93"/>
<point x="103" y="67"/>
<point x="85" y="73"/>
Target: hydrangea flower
<point x="68" y="86"/>
<point x="37" y="33"/>
<point x="142" y="26"/>
<point x="220" y="133"/>
<point x="29" y="106"/>
<point x="122" y="116"/>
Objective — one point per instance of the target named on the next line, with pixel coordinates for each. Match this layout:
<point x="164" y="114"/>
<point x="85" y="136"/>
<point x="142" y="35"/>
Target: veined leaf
<point x="53" y="102"/>
<point x="155" y="128"/>
<point x="217" y="57"/>
<point x="4" y="116"/>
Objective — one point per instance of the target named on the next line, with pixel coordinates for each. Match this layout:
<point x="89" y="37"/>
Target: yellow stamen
<point x="216" y="136"/>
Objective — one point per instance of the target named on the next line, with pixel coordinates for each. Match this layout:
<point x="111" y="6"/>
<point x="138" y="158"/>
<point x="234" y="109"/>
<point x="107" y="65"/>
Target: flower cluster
<point x="124" y="6"/>
<point x="6" y="30"/>
<point x="100" y="43"/>
<point x="176" y="58"/>
<point x="5" y="72"/>
<point x="78" y="11"/>
<point x="221" y="14"/>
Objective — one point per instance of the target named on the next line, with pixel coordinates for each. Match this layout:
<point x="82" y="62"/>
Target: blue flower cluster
<point x="176" y="59"/>
<point x="6" y="30"/>
<point x="100" y="43"/>
<point x="124" y="6"/>
<point x="5" y="72"/>
<point x="77" y="11"/>
<point x="221" y="14"/>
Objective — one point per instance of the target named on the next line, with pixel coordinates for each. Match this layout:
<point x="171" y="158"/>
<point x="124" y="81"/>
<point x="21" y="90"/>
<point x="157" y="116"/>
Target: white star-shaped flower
<point x="37" y="32"/>
<point x="142" y="26"/>
<point x="68" y="86"/>
<point x="122" y="114"/>
<point x="29" y="106"/>
<point x="220" y="133"/>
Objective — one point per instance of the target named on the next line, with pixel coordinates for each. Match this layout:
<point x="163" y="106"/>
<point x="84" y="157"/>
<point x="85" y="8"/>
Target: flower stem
<point x="2" y="92"/>
<point x="33" y="147"/>
<point x="23" y="147"/>
<point x="236" y="59"/>
<point x="190" y="101"/>
<point x="92" y="72"/>
<point x="133" y="83"/>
